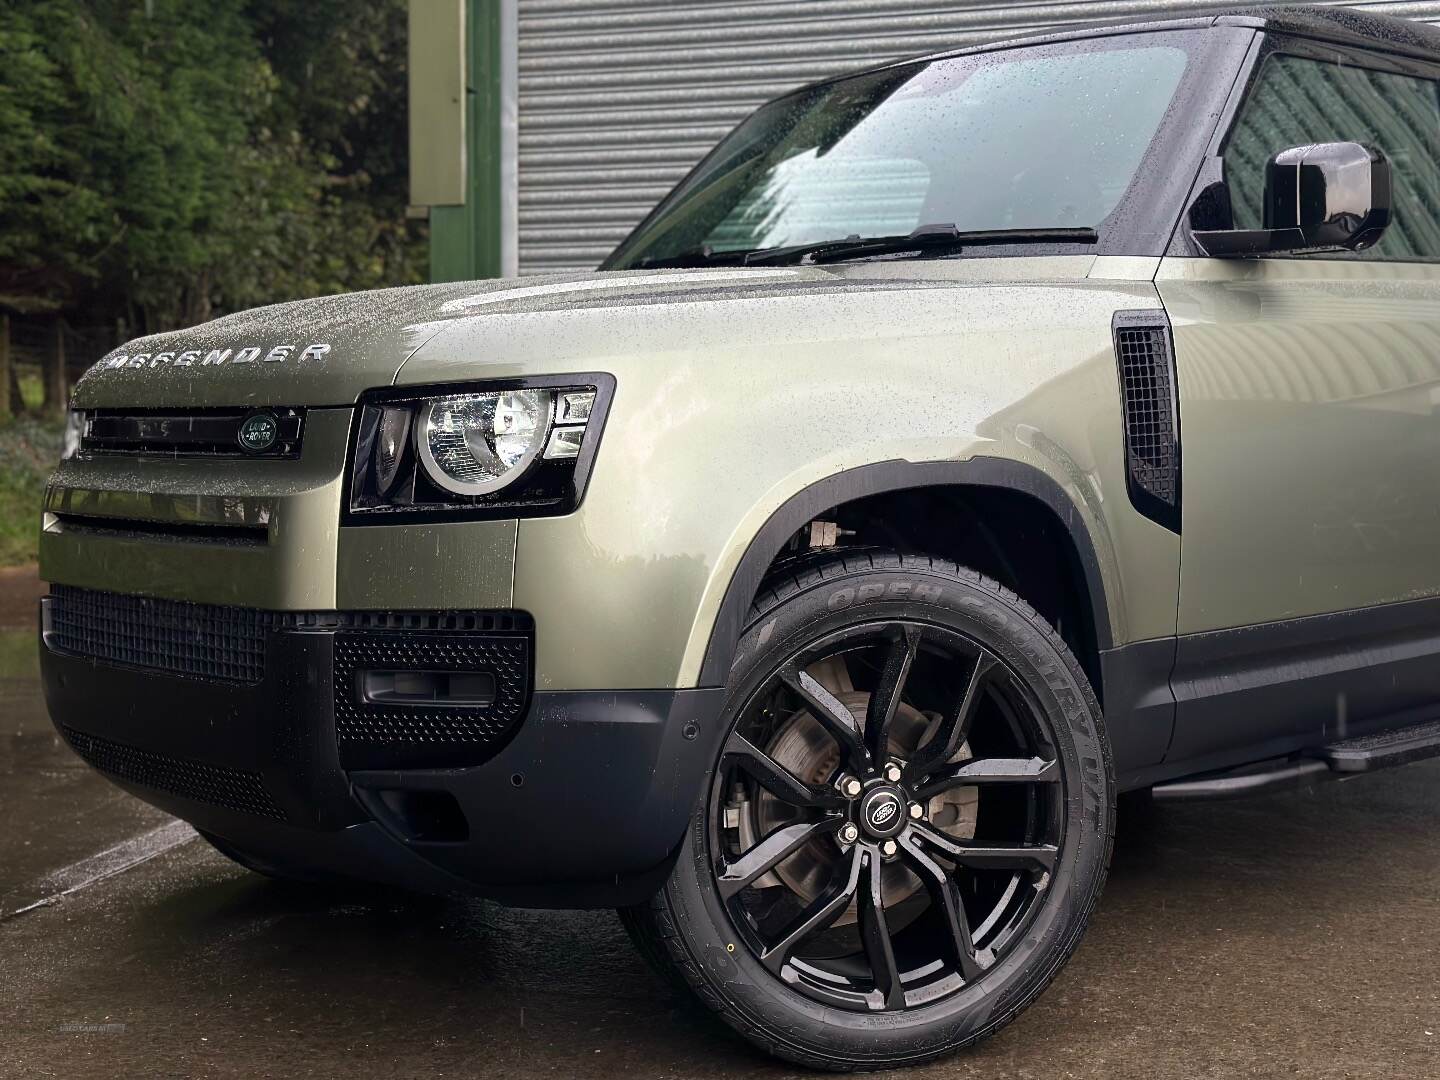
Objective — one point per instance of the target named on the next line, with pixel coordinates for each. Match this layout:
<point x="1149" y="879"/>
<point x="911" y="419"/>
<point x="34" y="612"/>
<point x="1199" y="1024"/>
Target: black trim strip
<point x="182" y="532"/>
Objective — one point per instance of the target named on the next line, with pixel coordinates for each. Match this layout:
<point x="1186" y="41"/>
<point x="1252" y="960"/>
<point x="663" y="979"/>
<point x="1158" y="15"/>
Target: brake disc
<point x="803" y="747"/>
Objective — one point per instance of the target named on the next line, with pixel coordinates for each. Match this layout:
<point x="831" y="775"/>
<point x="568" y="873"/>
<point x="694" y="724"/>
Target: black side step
<point x="1337" y="761"/>
<point x="1399" y="747"/>
<point x="1253" y="780"/>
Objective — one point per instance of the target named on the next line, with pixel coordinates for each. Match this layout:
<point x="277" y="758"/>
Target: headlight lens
<point x="490" y="451"/>
<point x="74" y="433"/>
<point x="474" y="444"/>
<point x="393" y="431"/>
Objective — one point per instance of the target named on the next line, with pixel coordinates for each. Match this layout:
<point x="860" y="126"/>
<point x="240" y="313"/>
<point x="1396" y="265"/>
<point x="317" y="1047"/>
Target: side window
<point x="1297" y="101"/>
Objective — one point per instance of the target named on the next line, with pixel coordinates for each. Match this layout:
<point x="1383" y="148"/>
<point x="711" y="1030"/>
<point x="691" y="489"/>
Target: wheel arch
<point x="888" y="477"/>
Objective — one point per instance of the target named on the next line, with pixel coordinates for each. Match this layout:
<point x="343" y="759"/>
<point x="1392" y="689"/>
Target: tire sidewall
<point x="1004" y="625"/>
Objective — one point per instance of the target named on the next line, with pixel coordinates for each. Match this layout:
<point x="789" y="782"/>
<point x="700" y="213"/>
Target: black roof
<point x="1339" y="24"/>
<point x="1342" y="25"/>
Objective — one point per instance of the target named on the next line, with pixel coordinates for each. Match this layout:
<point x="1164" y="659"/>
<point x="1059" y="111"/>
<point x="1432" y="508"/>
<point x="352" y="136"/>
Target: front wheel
<point x="908" y="824"/>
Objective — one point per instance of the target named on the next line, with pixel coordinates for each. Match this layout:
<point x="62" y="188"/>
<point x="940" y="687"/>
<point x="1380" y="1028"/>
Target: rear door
<point x="1309" y="389"/>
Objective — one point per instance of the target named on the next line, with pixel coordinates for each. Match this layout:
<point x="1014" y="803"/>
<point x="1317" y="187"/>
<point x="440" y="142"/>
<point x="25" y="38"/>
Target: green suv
<point x="961" y="444"/>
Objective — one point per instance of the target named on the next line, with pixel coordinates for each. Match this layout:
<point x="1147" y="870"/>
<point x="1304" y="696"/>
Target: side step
<point x="1337" y="761"/>
<point x="1399" y="747"/>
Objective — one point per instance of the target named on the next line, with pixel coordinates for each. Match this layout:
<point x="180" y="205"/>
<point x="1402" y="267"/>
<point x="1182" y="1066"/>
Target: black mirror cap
<point x="1321" y="197"/>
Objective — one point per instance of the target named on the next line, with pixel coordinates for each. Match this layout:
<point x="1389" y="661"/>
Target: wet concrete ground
<point x="1295" y="935"/>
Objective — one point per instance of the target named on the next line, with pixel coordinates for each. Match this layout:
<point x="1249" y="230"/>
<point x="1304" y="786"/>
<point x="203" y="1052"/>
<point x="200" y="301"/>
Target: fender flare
<point x="881" y="478"/>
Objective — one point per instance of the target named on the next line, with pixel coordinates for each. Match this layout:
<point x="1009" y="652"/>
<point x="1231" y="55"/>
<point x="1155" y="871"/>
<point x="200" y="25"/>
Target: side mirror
<point x="1323" y="197"/>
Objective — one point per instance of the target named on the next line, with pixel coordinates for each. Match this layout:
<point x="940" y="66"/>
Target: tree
<point x="163" y="161"/>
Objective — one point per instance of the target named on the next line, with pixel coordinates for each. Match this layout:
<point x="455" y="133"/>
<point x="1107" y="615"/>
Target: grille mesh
<point x="361" y="724"/>
<point x="1151" y="430"/>
<point x="201" y="640"/>
<point x="233" y="789"/>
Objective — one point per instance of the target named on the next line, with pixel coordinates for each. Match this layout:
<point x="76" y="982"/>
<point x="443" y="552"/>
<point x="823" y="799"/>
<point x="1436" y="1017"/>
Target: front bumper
<point x="580" y="800"/>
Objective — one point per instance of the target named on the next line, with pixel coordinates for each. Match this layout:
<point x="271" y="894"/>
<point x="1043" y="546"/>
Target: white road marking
<point x="106" y="864"/>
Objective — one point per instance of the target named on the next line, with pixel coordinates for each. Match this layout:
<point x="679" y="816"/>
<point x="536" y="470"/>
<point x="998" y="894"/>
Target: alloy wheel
<point x="887" y="816"/>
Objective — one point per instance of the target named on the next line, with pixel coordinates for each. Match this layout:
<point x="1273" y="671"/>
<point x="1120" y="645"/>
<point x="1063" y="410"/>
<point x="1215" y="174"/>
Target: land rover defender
<point x="962" y="444"/>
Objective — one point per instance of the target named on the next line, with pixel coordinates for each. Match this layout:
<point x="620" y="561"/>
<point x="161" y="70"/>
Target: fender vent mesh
<point x="1152" y="415"/>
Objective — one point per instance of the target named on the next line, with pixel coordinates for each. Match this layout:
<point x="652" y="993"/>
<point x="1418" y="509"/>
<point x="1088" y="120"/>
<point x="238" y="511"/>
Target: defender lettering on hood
<point x="248" y="354"/>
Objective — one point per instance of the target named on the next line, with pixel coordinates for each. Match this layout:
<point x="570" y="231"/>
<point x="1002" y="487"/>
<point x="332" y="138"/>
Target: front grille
<point x="1152" y="420"/>
<point x="233" y="789"/>
<point x="377" y="735"/>
<point x="227" y="644"/>
<point x="200" y="640"/>
<point x="198" y="432"/>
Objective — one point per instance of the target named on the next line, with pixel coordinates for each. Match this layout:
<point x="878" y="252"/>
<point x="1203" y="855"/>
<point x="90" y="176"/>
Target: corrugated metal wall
<point x="619" y="98"/>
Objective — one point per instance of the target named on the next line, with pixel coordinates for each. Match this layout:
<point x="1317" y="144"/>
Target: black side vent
<point x="1146" y="358"/>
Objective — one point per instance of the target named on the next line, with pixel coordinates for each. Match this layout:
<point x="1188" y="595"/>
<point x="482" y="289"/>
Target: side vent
<point x="1145" y="354"/>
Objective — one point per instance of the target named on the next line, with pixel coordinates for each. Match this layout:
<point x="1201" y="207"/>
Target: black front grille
<point x="234" y="789"/>
<point x="374" y="735"/>
<point x="200" y="640"/>
<point x="1152" y="420"/>
<point x="198" y="432"/>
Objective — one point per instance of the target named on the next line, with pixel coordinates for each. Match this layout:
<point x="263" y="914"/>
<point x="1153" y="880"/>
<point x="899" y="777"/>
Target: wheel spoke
<point x="775" y="778"/>
<point x="992" y="771"/>
<point x="946" y="897"/>
<point x="818" y="916"/>
<point x="885" y="699"/>
<point x="775" y="848"/>
<point x="875" y="934"/>
<point x="990" y="856"/>
<point x="954" y="727"/>
<point x="832" y="715"/>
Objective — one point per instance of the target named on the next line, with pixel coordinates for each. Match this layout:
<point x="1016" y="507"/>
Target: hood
<point x="330" y="350"/>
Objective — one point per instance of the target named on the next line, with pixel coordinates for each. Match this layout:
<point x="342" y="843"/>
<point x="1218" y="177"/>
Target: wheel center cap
<point x="882" y="812"/>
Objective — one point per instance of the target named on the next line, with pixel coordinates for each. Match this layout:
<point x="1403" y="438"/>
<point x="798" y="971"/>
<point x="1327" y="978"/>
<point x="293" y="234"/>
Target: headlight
<point x="75" y="430"/>
<point x="473" y="444"/>
<point x="519" y="449"/>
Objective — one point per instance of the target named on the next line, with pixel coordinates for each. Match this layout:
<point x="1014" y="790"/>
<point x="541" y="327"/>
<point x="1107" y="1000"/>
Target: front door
<point x="1310" y="433"/>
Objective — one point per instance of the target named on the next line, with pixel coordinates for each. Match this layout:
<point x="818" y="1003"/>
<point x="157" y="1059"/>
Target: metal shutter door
<point x="617" y="99"/>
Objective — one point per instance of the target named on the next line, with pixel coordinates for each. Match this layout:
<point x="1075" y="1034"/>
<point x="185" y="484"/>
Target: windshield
<point x="1048" y="137"/>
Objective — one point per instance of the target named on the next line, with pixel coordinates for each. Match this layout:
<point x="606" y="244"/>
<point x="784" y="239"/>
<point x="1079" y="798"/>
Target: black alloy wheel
<point x="908" y="824"/>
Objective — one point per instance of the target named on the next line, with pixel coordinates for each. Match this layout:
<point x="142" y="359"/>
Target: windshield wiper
<point x="704" y="256"/>
<point x="925" y="238"/>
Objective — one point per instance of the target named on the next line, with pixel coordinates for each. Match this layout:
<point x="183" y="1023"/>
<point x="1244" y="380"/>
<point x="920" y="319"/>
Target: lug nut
<point x="892" y="773"/>
<point x="849" y="834"/>
<point x="917" y="811"/>
<point x="849" y="786"/>
<point x="888" y="848"/>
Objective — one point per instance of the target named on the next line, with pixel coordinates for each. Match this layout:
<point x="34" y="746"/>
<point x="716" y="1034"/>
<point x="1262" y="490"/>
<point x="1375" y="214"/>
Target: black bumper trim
<point x="584" y="805"/>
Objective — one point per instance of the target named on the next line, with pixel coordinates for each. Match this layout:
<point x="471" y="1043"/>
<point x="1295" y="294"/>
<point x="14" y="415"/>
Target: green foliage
<point x="29" y="450"/>
<point x="164" y="161"/>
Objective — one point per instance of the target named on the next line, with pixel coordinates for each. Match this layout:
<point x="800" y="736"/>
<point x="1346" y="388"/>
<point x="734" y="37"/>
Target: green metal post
<point x="465" y="240"/>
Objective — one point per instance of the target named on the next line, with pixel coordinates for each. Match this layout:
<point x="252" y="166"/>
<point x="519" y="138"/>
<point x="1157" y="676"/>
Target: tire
<point x="907" y="622"/>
